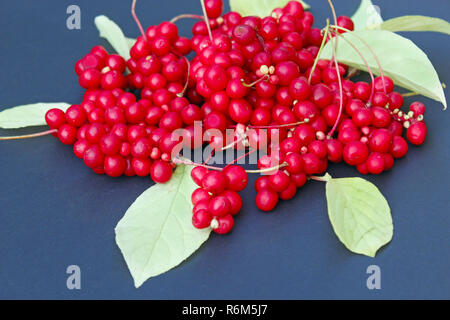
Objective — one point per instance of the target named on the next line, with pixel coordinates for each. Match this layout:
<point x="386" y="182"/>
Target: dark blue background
<point x="55" y="212"/>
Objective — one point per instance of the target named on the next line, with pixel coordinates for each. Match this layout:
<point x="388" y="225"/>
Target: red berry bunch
<point x="217" y="200"/>
<point x="259" y="76"/>
<point x="114" y="132"/>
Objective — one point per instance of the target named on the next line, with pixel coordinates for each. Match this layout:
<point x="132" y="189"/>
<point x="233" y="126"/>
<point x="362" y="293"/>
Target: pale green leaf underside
<point x="28" y="115"/>
<point x="156" y="233"/>
<point x="131" y="42"/>
<point x="400" y="58"/>
<point x="260" y="8"/>
<point x="359" y="214"/>
<point x="416" y="23"/>
<point x="366" y="16"/>
<point x="113" y="34"/>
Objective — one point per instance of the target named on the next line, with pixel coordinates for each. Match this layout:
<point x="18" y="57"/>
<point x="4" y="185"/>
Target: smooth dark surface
<point x="55" y="212"/>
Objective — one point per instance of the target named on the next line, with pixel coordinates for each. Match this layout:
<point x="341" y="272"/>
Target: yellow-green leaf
<point x="260" y="8"/>
<point x="403" y="61"/>
<point x="366" y="16"/>
<point x="359" y="214"/>
<point x="416" y="23"/>
<point x="28" y="115"/>
<point x="113" y="34"/>
<point x="156" y="233"/>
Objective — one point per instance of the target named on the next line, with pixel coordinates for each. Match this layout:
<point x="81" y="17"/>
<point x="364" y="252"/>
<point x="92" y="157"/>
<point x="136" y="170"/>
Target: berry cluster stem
<point x="28" y="136"/>
<point x="206" y="20"/>
<point x="341" y="94"/>
<point x="187" y="16"/>
<point x="133" y="13"/>
<point x="380" y="68"/>
<point x="322" y="45"/>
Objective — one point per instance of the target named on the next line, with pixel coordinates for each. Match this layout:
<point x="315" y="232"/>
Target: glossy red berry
<point x="76" y="116"/>
<point x="399" y="147"/>
<point x="55" y="118"/>
<point x="115" y="165"/>
<point x="375" y="163"/>
<point x="67" y="134"/>
<point x="235" y="201"/>
<point x="279" y="181"/>
<point x="237" y="177"/>
<point x="201" y="219"/>
<point x="198" y="173"/>
<point x="215" y="182"/>
<point x="225" y="224"/>
<point x="416" y="133"/>
<point x="266" y="200"/>
<point x="93" y="157"/>
<point x="161" y="171"/>
<point x="219" y="206"/>
<point x="355" y="152"/>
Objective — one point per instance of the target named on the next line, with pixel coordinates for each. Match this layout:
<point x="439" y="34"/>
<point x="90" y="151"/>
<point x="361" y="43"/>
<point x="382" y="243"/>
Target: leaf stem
<point x="133" y="13"/>
<point x="326" y="178"/>
<point x="33" y="135"/>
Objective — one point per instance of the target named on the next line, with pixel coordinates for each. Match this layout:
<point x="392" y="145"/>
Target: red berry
<point x="198" y="173"/>
<point x="225" y="224"/>
<point x="93" y="157"/>
<point x="380" y="140"/>
<point x="215" y="182"/>
<point x="141" y="166"/>
<point x="76" y="116"/>
<point x="67" y="134"/>
<point x="201" y="219"/>
<point x="266" y="200"/>
<point x="289" y="192"/>
<point x="416" y="133"/>
<point x="279" y="181"/>
<point x="110" y="144"/>
<point x="219" y="206"/>
<point x="55" y="118"/>
<point x="346" y="23"/>
<point x="355" y="152"/>
<point x="235" y="201"/>
<point x="418" y="108"/>
<point x="115" y="166"/>
<point x="237" y="177"/>
<point x="399" y="147"/>
<point x="161" y="171"/>
<point x="375" y="163"/>
<point x="262" y="183"/>
<point x="80" y="147"/>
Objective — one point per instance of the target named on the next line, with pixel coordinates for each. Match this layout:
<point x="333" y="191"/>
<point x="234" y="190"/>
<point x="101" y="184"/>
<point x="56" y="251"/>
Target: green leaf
<point x="156" y="233"/>
<point x="359" y="214"/>
<point x="28" y="115"/>
<point x="367" y="16"/>
<point x="112" y="32"/>
<point x="400" y="58"/>
<point x="260" y="8"/>
<point x="416" y="23"/>
<point x="131" y="42"/>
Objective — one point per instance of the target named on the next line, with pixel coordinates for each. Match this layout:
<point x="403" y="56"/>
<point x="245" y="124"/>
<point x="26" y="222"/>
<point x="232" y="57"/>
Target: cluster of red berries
<point x="111" y="130"/>
<point x="217" y="200"/>
<point x="250" y="74"/>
